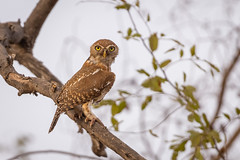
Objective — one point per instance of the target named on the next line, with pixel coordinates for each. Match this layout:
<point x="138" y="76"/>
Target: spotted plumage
<point x="91" y="83"/>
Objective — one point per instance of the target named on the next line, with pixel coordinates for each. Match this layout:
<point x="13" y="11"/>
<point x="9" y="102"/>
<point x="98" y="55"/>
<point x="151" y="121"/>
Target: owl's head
<point x="104" y="51"/>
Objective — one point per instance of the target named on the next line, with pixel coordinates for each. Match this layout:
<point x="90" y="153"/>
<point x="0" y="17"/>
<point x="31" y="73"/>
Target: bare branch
<point x="52" y="151"/>
<point x="226" y="75"/>
<point x="29" y="61"/>
<point x="22" y="83"/>
<point x="225" y="148"/>
<point x="20" y="50"/>
<point x="35" y="21"/>
<point x="102" y="134"/>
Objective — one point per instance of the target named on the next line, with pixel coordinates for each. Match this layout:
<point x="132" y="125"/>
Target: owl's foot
<point x="92" y="119"/>
<point x="89" y="115"/>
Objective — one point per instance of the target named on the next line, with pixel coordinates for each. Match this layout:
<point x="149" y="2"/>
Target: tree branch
<point x="223" y="85"/>
<point x="29" y="61"/>
<point x="35" y="21"/>
<point x="14" y="45"/>
<point x="52" y="151"/>
<point x="225" y="148"/>
<point x="34" y="85"/>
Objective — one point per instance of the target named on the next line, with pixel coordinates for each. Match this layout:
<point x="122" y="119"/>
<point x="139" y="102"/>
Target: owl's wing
<point x="85" y="87"/>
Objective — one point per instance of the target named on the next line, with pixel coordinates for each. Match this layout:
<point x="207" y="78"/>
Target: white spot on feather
<point x="95" y="89"/>
<point x="96" y="71"/>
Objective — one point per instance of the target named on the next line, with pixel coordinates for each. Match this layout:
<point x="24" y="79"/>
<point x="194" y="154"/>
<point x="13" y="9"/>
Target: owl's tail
<point x="55" y="119"/>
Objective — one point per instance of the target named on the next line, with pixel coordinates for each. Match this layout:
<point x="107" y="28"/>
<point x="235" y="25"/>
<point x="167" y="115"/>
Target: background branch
<point x="52" y="151"/>
<point x="223" y="85"/>
<point x="225" y="148"/>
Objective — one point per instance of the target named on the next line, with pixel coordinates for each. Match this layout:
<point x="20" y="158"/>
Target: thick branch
<point x="22" y="83"/>
<point x="11" y="34"/>
<point x="29" y="61"/>
<point x="34" y="85"/>
<point x="35" y="21"/>
<point x="102" y="134"/>
<point x="223" y="85"/>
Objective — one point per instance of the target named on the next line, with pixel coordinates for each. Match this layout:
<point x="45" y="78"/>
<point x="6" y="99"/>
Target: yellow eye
<point x="97" y="48"/>
<point x="111" y="48"/>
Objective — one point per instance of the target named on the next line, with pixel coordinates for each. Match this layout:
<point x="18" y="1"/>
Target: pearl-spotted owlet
<point x="91" y="83"/>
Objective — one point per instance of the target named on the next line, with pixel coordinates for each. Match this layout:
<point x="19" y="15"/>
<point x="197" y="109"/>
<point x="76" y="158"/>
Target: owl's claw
<point x="89" y="115"/>
<point x="92" y="118"/>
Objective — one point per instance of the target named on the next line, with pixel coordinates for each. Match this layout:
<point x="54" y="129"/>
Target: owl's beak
<point x="104" y="53"/>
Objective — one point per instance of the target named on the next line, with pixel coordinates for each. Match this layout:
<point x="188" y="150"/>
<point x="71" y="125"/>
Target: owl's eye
<point x="97" y="48"/>
<point x="111" y="48"/>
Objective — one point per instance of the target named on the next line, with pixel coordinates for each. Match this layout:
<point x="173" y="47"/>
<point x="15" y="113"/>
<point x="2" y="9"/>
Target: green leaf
<point x="147" y="100"/>
<point x="174" y="155"/>
<point x="104" y="103"/>
<point x="154" y="83"/>
<point x="188" y="90"/>
<point x="197" y="118"/>
<point x="178" y="148"/>
<point x="129" y="32"/>
<point x="214" y="134"/>
<point x="114" y="109"/>
<point x="181" y="53"/>
<point x="237" y="111"/>
<point x="190" y="117"/>
<point x="176" y="41"/>
<point x="213" y="66"/>
<point x="137" y="3"/>
<point x="118" y="108"/>
<point x="198" y="154"/>
<point x="165" y="63"/>
<point x="121" y="106"/>
<point x="115" y="123"/>
<point x="193" y="50"/>
<point x="227" y="116"/>
<point x="143" y="72"/>
<point x="169" y="50"/>
<point x="181" y="146"/>
<point x="154" y="64"/>
<point x="184" y="77"/>
<point x="195" y="138"/>
<point x="180" y="101"/>
<point x="153" y="42"/>
<point x="148" y="17"/>
<point x="153" y="134"/>
<point x="162" y="35"/>
<point x="205" y="120"/>
<point x="136" y="35"/>
<point x="122" y="92"/>
<point x="212" y="73"/>
<point x="123" y="6"/>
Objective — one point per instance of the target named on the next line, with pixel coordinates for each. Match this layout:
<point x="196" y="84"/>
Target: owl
<point x="91" y="83"/>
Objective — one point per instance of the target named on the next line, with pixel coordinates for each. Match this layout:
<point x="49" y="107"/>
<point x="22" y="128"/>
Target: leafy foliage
<point x="201" y="135"/>
<point x="154" y="83"/>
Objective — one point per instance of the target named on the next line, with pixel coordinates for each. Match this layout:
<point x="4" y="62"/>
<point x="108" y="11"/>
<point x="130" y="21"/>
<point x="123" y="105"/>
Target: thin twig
<point x="97" y="1"/>
<point x="53" y="152"/>
<point x="225" y="148"/>
<point x="223" y="85"/>
<point x="154" y="127"/>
